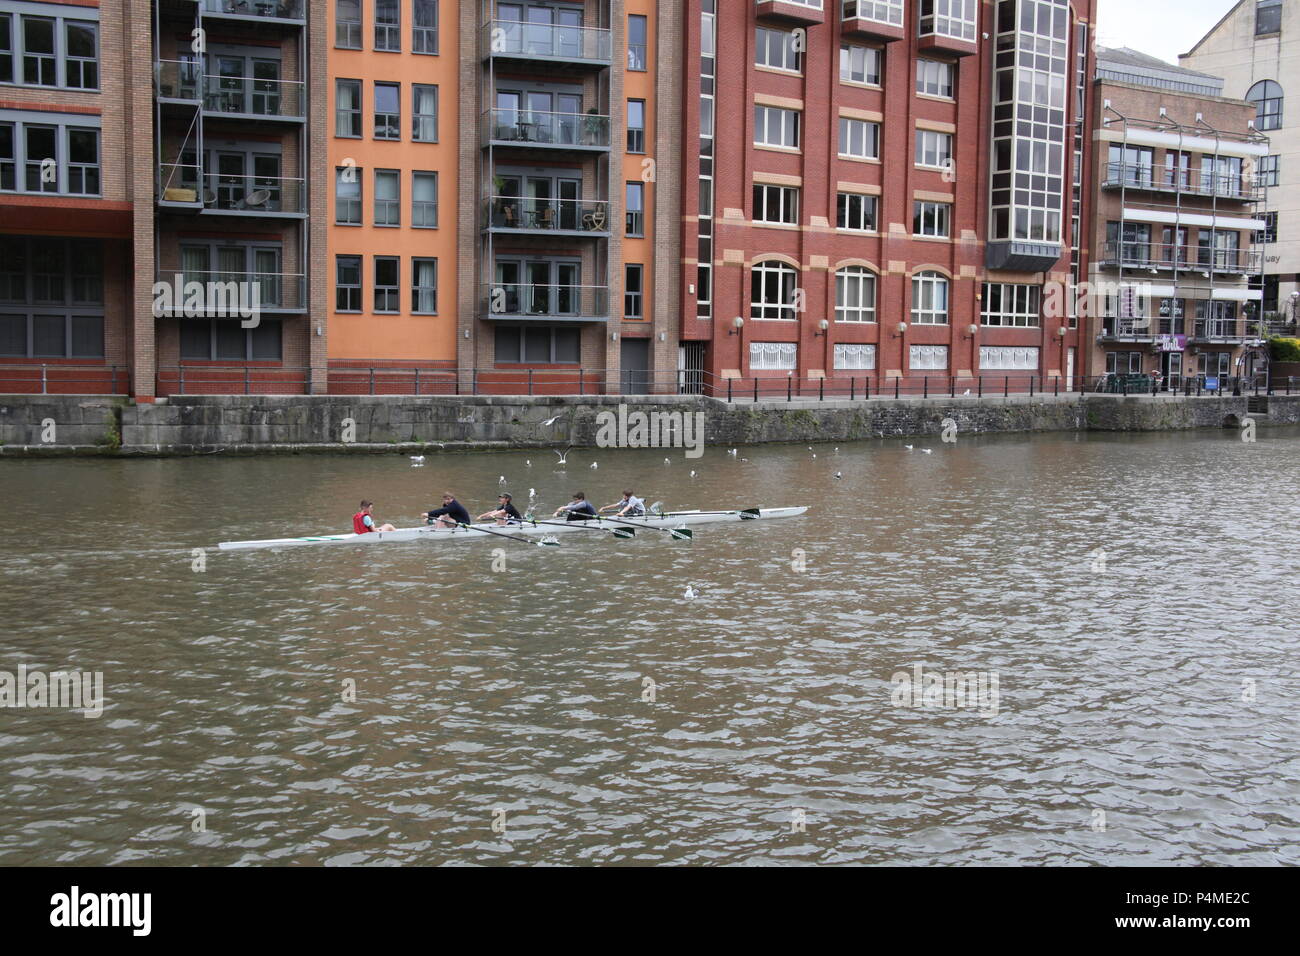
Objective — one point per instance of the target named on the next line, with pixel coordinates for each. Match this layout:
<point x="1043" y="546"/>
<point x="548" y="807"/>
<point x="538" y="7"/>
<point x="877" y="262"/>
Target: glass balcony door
<point x="230" y="85"/>
<point x="231" y="185"/>
<point x="266" y="87"/>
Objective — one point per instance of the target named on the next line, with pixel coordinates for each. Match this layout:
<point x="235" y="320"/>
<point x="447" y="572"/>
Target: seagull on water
<point x="838" y="475"/>
<point x="692" y="474"/>
<point x="502" y="481"/>
<point x="594" y="465"/>
<point x="418" y="459"/>
<point x="926" y="451"/>
<point x="732" y="453"/>
<point x="528" y="463"/>
<point x="563" y="456"/>
<point x="690" y="593"/>
<point x="908" y="447"/>
<point x="667" y="461"/>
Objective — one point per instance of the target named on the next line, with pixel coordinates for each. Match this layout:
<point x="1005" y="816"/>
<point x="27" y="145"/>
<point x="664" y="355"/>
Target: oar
<point x="616" y="532"/>
<point x="512" y="537"/>
<point x="677" y="533"/>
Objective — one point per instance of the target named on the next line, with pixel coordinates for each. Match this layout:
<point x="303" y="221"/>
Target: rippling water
<point x="1121" y="736"/>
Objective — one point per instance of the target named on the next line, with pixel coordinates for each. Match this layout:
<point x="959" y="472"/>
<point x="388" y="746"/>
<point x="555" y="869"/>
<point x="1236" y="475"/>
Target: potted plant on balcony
<point x="593" y="128"/>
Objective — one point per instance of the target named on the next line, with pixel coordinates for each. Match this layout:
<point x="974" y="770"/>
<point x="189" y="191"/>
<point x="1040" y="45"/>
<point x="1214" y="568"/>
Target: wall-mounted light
<point x="467" y="333"/>
<point x="663" y="336"/>
<point x="736" y="325"/>
<point x="902" y="327"/>
<point x="971" y="330"/>
<point x="613" y="336"/>
<point x="320" y="330"/>
<point x="822" y="326"/>
<point x="1061" y="331"/>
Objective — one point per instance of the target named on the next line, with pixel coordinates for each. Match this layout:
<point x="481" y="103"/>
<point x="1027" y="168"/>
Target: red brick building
<point x="885" y="188"/>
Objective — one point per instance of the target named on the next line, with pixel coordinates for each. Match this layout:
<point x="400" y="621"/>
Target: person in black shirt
<point x="579" y="509"/>
<point x="504" y="513"/>
<point x="450" y="514"/>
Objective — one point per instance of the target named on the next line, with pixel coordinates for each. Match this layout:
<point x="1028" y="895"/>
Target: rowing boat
<point x="671" y="519"/>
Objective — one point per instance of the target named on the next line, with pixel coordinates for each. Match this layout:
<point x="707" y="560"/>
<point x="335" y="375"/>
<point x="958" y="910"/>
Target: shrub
<point x="1284" y="350"/>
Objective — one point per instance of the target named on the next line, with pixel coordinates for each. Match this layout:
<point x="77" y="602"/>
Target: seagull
<point x="732" y="453"/>
<point x="563" y="456"/>
<point x="502" y="481"/>
<point x="814" y="454"/>
<point x="532" y="493"/>
<point x="908" y="447"/>
<point x="690" y="594"/>
<point x="926" y="451"/>
<point x="667" y="461"/>
<point x="418" y="459"/>
<point x="528" y="463"/>
<point x="837" y="449"/>
<point x="967" y="392"/>
<point x="838" y="475"/>
<point x="692" y="474"/>
<point x="594" y="465"/>
<point x="551" y="421"/>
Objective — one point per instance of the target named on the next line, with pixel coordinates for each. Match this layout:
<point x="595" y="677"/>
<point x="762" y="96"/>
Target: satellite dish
<point x="258" y="197"/>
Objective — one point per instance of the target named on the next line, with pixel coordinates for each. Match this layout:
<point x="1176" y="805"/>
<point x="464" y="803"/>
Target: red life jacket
<point x="359" y="523"/>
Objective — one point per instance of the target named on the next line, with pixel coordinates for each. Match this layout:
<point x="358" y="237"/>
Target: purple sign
<point x="1171" y="343"/>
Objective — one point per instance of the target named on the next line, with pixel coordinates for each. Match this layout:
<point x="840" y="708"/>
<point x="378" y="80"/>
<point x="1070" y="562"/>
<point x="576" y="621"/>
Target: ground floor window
<point x="850" y="356"/>
<point x="228" y="340"/>
<point x="1008" y="357"/>
<point x="1123" y="363"/>
<point x="928" y="358"/>
<point x="51" y="335"/>
<point x="768" y="356"/>
<point x="1216" y="363"/>
<point x="544" y="344"/>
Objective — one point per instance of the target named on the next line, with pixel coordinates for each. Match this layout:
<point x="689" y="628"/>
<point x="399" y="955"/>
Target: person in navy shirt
<point x="504" y="513"/>
<point x="450" y="514"/>
<point x="579" y="509"/>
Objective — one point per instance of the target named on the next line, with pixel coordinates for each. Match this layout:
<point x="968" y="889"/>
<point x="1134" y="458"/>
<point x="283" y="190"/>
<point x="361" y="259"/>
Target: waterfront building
<point x="1179" y="214"/>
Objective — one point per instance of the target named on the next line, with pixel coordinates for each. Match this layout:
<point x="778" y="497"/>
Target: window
<point x="922" y="358"/>
<point x="933" y="149"/>
<point x="424" y="200"/>
<point x="636" y="126"/>
<point x="1008" y="358"/>
<point x="388" y="25"/>
<point x="635" y="207"/>
<point x="1269" y="232"/>
<point x="1267" y="173"/>
<point x="1267" y="97"/>
<point x="53" y="159"/>
<point x="347" y="195"/>
<point x="347" y="283"/>
<point x="1268" y="17"/>
<point x="6" y="48"/>
<point x="776" y="50"/>
<point x="930" y="299"/>
<point x="882" y="11"/>
<point x="772" y="290"/>
<point x="949" y="18"/>
<point x="855" y="295"/>
<point x="347" y="108"/>
<point x="856" y="212"/>
<point x="424" y="286"/>
<point x="776" y="204"/>
<point x="854" y="357"/>
<point x="859" y="64"/>
<point x="83" y="162"/>
<point x="859" y="139"/>
<point x="347" y="24"/>
<point x="1011" y="304"/>
<point x="388" y="111"/>
<point x="424" y="28"/>
<point x="388" y="197"/>
<point x="636" y="42"/>
<point x="51" y="298"/>
<point x="773" y="356"/>
<point x="1132" y="165"/>
<point x="424" y="109"/>
<point x="633" y="291"/>
<point x="387" y="286"/>
<point x="1123" y="363"/>
<point x="545" y="344"/>
<point x="931" y="219"/>
<point x="40" y="65"/>
<point x="81" y="55"/>
<point x="218" y="340"/>
<point x="774" y="126"/>
<point x="934" y="78"/>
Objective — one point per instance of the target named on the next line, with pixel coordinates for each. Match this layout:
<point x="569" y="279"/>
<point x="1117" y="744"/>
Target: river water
<point x="1133" y="598"/>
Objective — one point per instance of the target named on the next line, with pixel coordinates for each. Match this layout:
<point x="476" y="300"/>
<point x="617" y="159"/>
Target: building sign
<point x="1171" y="343"/>
<point x="1211" y="383"/>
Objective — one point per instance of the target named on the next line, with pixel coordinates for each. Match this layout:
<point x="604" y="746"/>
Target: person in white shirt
<point x="630" y="506"/>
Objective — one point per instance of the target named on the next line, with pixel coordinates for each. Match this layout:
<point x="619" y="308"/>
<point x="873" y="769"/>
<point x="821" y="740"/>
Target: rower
<point x="579" y="509"/>
<point x="504" y="513"/>
<point x="630" y="506"/>
<point x="363" y="522"/>
<point x="450" y="514"/>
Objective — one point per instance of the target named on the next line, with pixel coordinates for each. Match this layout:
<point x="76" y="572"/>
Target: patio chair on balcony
<point x="547" y="219"/>
<point x="593" y="220"/>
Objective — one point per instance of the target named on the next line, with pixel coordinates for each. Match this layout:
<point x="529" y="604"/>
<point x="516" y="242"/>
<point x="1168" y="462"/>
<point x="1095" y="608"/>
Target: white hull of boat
<point x="675" y="519"/>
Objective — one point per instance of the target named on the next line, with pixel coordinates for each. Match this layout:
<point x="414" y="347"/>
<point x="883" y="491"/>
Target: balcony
<point x="229" y="194"/>
<point x="223" y="293"/>
<point x="873" y="19"/>
<point x="288" y="12"/>
<point x="955" y="33"/>
<point x="1218" y="330"/>
<point x="803" y="12"/>
<point x="1128" y="329"/>
<point x="534" y="130"/>
<point x="522" y="216"/>
<point x="1180" y="181"/>
<point x="546" y="44"/>
<point x="551" y="302"/>
<point x="1183" y="258"/>
<point x="179" y="82"/>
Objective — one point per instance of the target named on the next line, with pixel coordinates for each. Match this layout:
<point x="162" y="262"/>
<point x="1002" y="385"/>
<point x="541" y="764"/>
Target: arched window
<point x="855" y="295"/>
<point x="1267" y="97"/>
<point x="772" y="290"/>
<point x="929" y="299"/>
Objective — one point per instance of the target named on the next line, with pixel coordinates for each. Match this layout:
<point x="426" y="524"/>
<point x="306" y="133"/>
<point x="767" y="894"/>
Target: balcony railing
<point x="547" y="42"/>
<point x="503" y="300"/>
<point x="222" y="93"/>
<point x="1136" y="328"/>
<point x="268" y="9"/>
<point x="1219" y="330"/>
<point x="1138" y="176"/>
<point x="179" y="79"/>
<point x="226" y="292"/>
<point x="223" y="192"/>
<point x="534" y="128"/>
<point x="547" y="215"/>
<point x="1141" y="255"/>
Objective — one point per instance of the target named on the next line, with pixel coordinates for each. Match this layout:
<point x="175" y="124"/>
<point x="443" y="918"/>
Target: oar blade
<point x="548" y="541"/>
<point x="624" y="532"/>
<point x="680" y="534"/>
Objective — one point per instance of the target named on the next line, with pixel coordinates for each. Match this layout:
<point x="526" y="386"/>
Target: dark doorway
<point x="635" y="363"/>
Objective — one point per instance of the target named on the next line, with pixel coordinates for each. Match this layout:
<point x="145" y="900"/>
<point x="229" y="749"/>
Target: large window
<point x="772" y="290"/>
<point x="855" y="212"/>
<point x="633" y="291"/>
<point x="424" y="199"/>
<point x="424" y="286"/>
<point x="1269" y="232"/>
<point x="347" y="108"/>
<point x="388" y="111"/>
<point x="545" y="344"/>
<point x="1011" y="304"/>
<point x="347" y="195"/>
<point x="216" y="340"/>
<point x="855" y="295"/>
<point x="424" y="29"/>
<point x="1267" y="97"/>
<point x="931" y="219"/>
<point x="635" y="197"/>
<point x="51" y="298"/>
<point x="927" y="358"/>
<point x="774" y="126"/>
<point x="1008" y="358"/>
<point x="933" y="149"/>
<point x="934" y="77"/>
<point x="773" y="356"/>
<point x="850" y="357"/>
<point x="388" y="25"/>
<point x="859" y="139"/>
<point x="81" y="55"/>
<point x="1268" y="17"/>
<point x="388" y="285"/>
<point x="1267" y="172"/>
<point x="929" y="299"/>
<point x="347" y="24"/>
<point x="388" y="197"/>
<point x="47" y="157"/>
<point x="779" y="204"/>
<point x="636" y="126"/>
<point x="949" y="18"/>
<point x="882" y="11"/>
<point x="636" y="42"/>
<point x="859" y="64"/>
<point x="424" y="109"/>
<point x="54" y="50"/>
<point x="776" y="49"/>
<point x="347" y="283"/>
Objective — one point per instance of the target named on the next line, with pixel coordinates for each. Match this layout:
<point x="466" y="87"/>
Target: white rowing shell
<point x="674" y="519"/>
